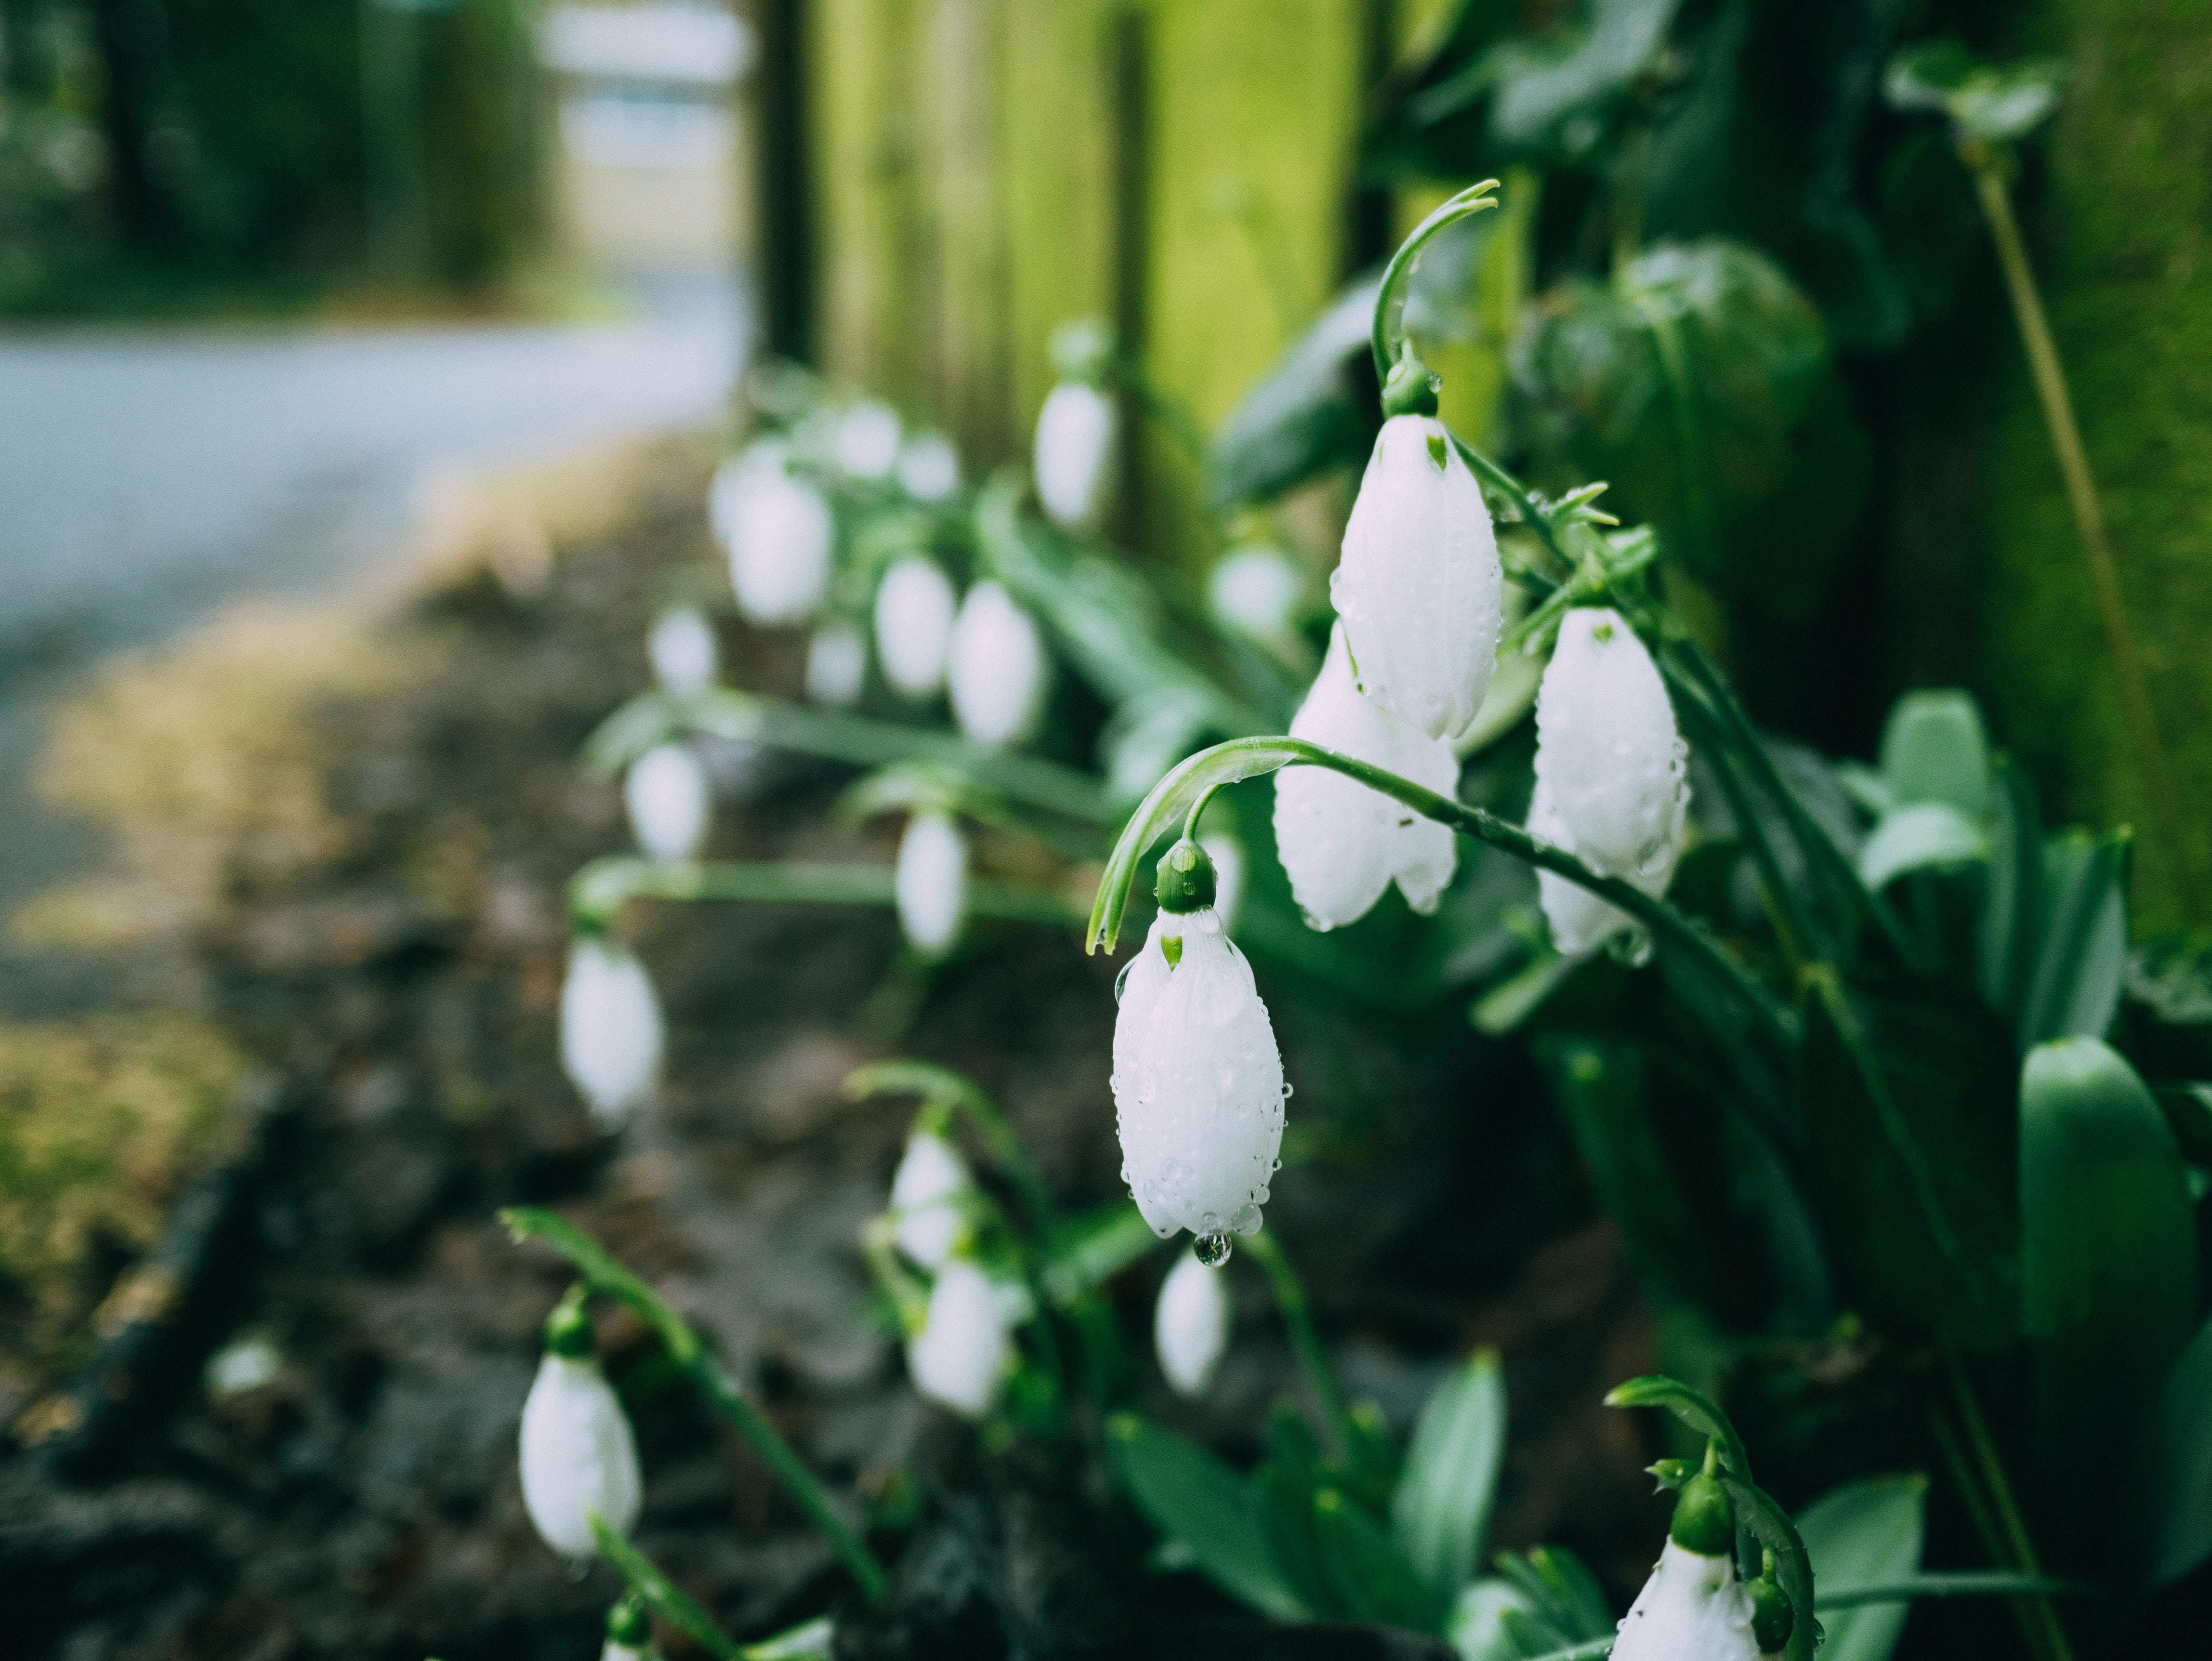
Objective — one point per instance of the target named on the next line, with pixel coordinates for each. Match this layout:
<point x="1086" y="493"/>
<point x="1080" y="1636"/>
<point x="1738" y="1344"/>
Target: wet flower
<point x="931" y="882"/>
<point x="611" y="1028"/>
<point x="915" y="606"/>
<point x="578" y="1455"/>
<point x="837" y="665"/>
<point x="1419" y="586"/>
<point x="683" y="651"/>
<point x="929" y="467"/>
<point x="666" y="792"/>
<point x="1693" y="1608"/>
<point x="998" y="668"/>
<point x="1076" y="435"/>
<point x="868" y="440"/>
<point x="961" y="1356"/>
<point x="1342" y="843"/>
<point x="926" y="1195"/>
<point x="1190" y="1326"/>
<point x="1610" y="774"/>
<point x="1198" y="1081"/>
<point x="780" y="536"/>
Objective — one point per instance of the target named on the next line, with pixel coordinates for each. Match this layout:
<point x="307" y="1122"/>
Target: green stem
<point x="942" y="1086"/>
<point x="607" y="1276"/>
<point x="598" y="892"/>
<point x="1305" y="1340"/>
<point x="2047" y="1636"/>
<point x="2050" y="377"/>
<point x="1968" y="1583"/>
<point x="1389" y="328"/>
<point x="1517" y="493"/>
<point x="663" y="1595"/>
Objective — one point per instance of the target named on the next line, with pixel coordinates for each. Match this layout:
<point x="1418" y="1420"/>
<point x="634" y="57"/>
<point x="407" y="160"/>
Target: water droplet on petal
<point x="1121" y="980"/>
<point x="1211" y="1250"/>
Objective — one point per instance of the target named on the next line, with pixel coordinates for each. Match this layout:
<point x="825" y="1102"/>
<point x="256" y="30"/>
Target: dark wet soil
<point x="399" y="989"/>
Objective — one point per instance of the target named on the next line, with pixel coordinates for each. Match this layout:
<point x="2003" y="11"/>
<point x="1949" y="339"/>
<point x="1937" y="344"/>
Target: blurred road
<point x="146" y="477"/>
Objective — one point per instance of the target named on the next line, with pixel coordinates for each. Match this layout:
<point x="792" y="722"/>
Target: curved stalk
<point x="1305" y="1340"/>
<point x="942" y="1085"/>
<point x="598" y="892"/>
<point x="1388" y="331"/>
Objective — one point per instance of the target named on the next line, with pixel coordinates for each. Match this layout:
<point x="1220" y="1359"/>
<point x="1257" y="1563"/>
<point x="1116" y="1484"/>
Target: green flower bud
<point x="629" y="1625"/>
<point x="568" y="1327"/>
<point x="1704" y="1520"/>
<point x="1184" y="879"/>
<point x="1411" y="389"/>
<point x="1772" y="1615"/>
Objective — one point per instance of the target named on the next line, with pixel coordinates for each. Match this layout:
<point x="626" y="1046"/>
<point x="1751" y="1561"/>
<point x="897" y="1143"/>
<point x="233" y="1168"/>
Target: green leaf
<point x="1313" y="411"/>
<point x="2177" y="1482"/>
<point x="1543" y="88"/>
<point x="2108" y="1255"/>
<point x="1866" y="1532"/>
<point x="1093" y="1249"/>
<point x="1568" y="1600"/>
<point x="2012" y="905"/>
<point x="1934" y="748"/>
<point x="1373" y="1577"/>
<point x="2082" y="960"/>
<point x="1989" y="104"/>
<point x="1917" y="836"/>
<point x="1757" y="1514"/>
<point x="1907" y="1095"/>
<point x="1191" y="1496"/>
<point x="1477" y="1627"/>
<point x="1441" y="1510"/>
<point x="1693" y="1408"/>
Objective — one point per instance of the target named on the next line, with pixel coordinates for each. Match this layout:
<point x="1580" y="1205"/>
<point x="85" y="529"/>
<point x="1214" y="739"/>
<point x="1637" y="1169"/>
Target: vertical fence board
<point x="962" y="125"/>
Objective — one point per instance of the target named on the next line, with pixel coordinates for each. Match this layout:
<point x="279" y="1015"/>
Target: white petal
<point x="836" y="664"/>
<point x="960" y="1357"/>
<point x="868" y="440"/>
<point x="683" y="650"/>
<point x="925" y="1200"/>
<point x="929" y="467"/>
<point x="1419" y="586"/>
<point x="1691" y="1609"/>
<point x="667" y="794"/>
<point x="780" y="535"/>
<point x="578" y="1456"/>
<point x="1198" y="1083"/>
<point x="998" y="668"/>
<point x="930" y="882"/>
<point x="1190" y="1325"/>
<point x="610" y="1029"/>
<point x="1254" y="589"/>
<point x="1076" y="432"/>
<point x="914" y="626"/>
<point x="1341" y="843"/>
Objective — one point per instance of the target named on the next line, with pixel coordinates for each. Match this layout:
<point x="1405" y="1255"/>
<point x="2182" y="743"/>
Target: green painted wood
<point x="965" y="160"/>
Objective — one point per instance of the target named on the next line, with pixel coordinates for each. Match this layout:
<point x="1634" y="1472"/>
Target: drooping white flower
<point x="962" y="1355"/>
<point x="837" y="665"/>
<point x="1341" y="842"/>
<point x="931" y="882"/>
<point x="998" y="668"/>
<point x="1198" y="1081"/>
<point x="1228" y="856"/>
<point x="1611" y="785"/>
<point x="683" y="650"/>
<point x="1190" y="1325"/>
<point x="868" y="440"/>
<point x="1254" y="590"/>
<point x="929" y="467"/>
<point x="1691" y="1609"/>
<point x="610" y="1029"/>
<point x="666" y="793"/>
<point x="915" y="606"/>
<point x="926" y="1199"/>
<point x="1076" y="435"/>
<point x="1419" y="586"/>
<point x="578" y="1455"/>
<point x="780" y="536"/>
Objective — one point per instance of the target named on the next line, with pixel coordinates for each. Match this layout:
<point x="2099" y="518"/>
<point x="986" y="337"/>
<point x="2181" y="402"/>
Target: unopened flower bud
<point x="998" y="668"/>
<point x="1254" y="590"/>
<point x="1190" y="1325"/>
<point x="868" y="440"/>
<point x="667" y="797"/>
<point x="1342" y="843"/>
<point x="836" y="664"/>
<point x="1076" y="434"/>
<point x="929" y="467"/>
<point x="931" y="882"/>
<point x="926" y="1195"/>
<point x="630" y="1632"/>
<point x="915" y="606"/>
<point x="1419" y="586"/>
<point x="780" y="536"/>
<point x="962" y="1355"/>
<point x="578" y="1455"/>
<point x="610" y="1029"/>
<point x="684" y="653"/>
<point x="1693" y="1608"/>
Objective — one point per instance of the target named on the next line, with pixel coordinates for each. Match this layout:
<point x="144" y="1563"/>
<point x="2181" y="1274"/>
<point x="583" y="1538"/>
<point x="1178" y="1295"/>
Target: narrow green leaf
<point x="1934" y="750"/>
<point x="2081" y="960"/>
<point x="1191" y="1496"/>
<point x="1693" y="1408"/>
<point x="1287" y="1495"/>
<point x="1441" y="1510"/>
<point x="1917" y="836"/>
<point x="1477" y="1627"/>
<point x="2176" y="1487"/>
<point x="1867" y="1532"/>
<point x="1371" y="1576"/>
<point x="2012" y="905"/>
<point x="1093" y="1249"/>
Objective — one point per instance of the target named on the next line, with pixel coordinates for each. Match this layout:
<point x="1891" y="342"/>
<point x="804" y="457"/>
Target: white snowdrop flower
<point x="998" y="668"/>
<point x="1254" y="590"/>
<point x="780" y="536"/>
<point x="1190" y="1326"/>
<point x="578" y="1455"/>
<point x="1198" y="1081"/>
<point x="1341" y="842"/>
<point x="1228" y="856"/>
<point x="931" y="882"/>
<point x="683" y="651"/>
<point x="1691" y="1609"/>
<point x="962" y="1355"/>
<point x="929" y="467"/>
<point x="1420" y="587"/>
<point x="926" y="1199"/>
<point x="868" y="440"/>
<point x="915" y="606"/>
<point x="1611" y="785"/>
<point x="666" y="792"/>
<point x="1076" y="434"/>
<point x="837" y="665"/>
<point x="611" y="1028"/>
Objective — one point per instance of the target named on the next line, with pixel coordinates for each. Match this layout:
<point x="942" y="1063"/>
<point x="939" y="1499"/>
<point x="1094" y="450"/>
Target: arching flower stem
<point x="670" y="1603"/>
<point x="1305" y="1340"/>
<point x="610" y="1279"/>
<point x="598" y="892"/>
<point x="940" y="1087"/>
<point x="1388" y="331"/>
